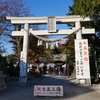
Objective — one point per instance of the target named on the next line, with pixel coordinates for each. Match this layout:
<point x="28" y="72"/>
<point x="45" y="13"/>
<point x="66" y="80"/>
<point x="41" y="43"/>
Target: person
<point x="64" y="68"/>
<point x="50" y="70"/>
<point x="58" y="70"/>
<point x="44" y="69"/>
<point x="41" y="65"/>
<point x="33" y="69"/>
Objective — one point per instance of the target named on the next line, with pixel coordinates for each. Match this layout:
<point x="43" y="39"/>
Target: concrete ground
<point x="72" y="91"/>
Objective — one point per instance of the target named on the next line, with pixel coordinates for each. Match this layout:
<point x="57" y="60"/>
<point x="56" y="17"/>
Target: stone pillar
<point x="25" y="41"/>
<point x="24" y="56"/>
<point x="79" y="36"/>
<point x="79" y="33"/>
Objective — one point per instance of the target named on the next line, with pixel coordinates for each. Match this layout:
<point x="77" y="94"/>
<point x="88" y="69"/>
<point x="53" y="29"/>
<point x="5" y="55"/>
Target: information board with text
<point x="41" y="90"/>
<point x="82" y="59"/>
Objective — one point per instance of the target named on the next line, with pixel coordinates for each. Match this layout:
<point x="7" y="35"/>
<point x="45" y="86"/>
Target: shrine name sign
<point x="82" y="59"/>
<point x="41" y="90"/>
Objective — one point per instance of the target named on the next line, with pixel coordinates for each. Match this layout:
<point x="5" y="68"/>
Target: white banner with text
<point x="82" y="59"/>
<point x="41" y="90"/>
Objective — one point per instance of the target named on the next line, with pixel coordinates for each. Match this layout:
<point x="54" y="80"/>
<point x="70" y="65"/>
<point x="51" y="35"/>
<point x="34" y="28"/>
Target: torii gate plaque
<point x="45" y="20"/>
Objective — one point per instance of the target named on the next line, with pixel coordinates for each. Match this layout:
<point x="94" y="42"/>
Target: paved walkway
<point x="71" y="91"/>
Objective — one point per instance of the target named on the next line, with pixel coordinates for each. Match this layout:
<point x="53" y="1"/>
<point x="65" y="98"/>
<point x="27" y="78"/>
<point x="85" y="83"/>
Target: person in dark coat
<point x="50" y="71"/>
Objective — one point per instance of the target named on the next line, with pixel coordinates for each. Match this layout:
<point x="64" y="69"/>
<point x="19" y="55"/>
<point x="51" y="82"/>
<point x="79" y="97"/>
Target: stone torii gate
<point x="51" y="22"/>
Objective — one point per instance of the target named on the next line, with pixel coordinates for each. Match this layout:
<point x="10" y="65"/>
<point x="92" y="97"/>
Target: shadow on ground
<point x="71" y="91"/>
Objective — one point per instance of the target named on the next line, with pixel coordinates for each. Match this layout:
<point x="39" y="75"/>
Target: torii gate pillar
<point x="79" y="33"/>
<point x="25" y="41"/>
<point x="24" y="56"/>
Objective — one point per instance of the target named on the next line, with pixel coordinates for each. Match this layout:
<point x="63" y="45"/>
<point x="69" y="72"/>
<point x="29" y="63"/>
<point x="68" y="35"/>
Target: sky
<point x="49" y="7"/>
<point x="45" y="8"/>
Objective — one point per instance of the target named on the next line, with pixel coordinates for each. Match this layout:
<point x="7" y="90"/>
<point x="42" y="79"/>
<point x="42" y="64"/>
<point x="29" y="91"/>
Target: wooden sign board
<point x="41" y="90"/>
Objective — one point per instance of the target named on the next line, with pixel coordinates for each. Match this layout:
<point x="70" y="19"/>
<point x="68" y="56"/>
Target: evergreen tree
<point x="89" y="8"/>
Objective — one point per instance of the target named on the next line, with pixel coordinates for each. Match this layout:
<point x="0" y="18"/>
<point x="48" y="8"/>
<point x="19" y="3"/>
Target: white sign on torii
<point x="44" y="20"/>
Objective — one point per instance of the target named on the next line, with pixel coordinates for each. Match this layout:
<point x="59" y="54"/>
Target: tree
<point x="34" y="50"/>
<point x="85" y="8"/>
<point x="10" y="8"/>
<point x="70" y="52"/>
<point x="18" y="9"/>
<point x="89" y="8"/>
<point x="3" y="14"/>
<point x="3" y="24"/>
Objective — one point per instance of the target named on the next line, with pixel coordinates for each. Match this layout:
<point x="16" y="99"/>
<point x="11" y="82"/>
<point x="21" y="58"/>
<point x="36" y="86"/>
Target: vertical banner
<point x="82" y="59"/>
<point x="23" y="64"/>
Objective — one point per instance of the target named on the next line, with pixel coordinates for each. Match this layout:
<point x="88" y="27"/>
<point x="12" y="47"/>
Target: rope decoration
<point x="54" y="40"/>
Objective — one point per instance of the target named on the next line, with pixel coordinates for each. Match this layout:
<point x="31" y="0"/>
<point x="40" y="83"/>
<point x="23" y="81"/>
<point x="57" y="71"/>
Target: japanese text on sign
<point x="82" y="59"/>
<point x="48" y="90"/>
<point x="51" y="24"/>
<point x="23" y="65"/>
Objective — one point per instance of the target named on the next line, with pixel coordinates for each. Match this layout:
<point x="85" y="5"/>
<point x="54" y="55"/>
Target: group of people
<point x="50" y="69"/>
<point x="53" y="68"/>
<point x="60" y="69"/>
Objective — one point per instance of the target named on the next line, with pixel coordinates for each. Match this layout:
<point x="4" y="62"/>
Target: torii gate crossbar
<point x="26" y="21"/>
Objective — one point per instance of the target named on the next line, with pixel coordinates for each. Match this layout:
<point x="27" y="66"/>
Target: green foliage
<point x="47" y="54"/>
<point x="89" y="8"/>
<point x="56" y="51"/>
<point x="69" y="50"/>
<point x="12" y="59"/>
<point x="65" y="51"/>
<point x="84" y="8"/>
